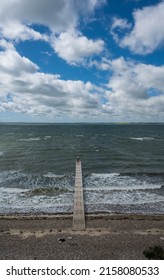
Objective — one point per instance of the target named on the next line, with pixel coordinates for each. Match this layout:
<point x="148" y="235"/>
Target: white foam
<point x="30" y="139"/>
<point x="123" y="188"/>
<point x="12" y="190"/>
<point x="47" y="137"/>
<point x="52" y="175"/>
<point x="122" y="197"/>
<point x="104" y="175"/>
<point x="116" y="182"/>
<point x="141" y="138"/>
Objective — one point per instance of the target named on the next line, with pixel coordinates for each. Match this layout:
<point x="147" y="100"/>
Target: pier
<point x="78" y="212"/>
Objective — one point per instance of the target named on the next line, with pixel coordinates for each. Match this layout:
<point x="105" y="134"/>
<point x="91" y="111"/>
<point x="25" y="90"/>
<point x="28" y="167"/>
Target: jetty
<point x="78" y="211"/>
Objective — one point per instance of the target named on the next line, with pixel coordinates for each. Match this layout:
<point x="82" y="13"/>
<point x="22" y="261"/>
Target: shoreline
<point x="107" y="236"/>
<point x="97" y="215"/>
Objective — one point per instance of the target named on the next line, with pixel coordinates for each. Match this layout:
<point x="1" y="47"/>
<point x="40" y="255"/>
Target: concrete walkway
<point x="78" y="213"/>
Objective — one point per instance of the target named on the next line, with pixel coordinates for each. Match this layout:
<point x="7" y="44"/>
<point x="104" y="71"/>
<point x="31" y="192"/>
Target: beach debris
<point x="69" y="237"/>
<point x="61" y="240"/>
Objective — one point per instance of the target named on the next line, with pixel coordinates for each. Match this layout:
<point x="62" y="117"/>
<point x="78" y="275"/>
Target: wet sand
<point x="107" y="236"/>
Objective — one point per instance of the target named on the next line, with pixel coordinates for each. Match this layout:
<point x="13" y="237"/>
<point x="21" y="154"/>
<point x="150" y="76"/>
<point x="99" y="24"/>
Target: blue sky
<point x="82" y="61"/>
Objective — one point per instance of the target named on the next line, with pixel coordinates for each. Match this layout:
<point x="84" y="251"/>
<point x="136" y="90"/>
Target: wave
<point x="13" y="191"/>
<point x="30" y="139"/>
<point x="1" y="153"/>
<point x="104" y="175"/>
<point x="52" y="175"/>
<point x="121" y="182"/>
<point x="47" y="137"/>
<point x="124" y="188"/>
<point x="140" y="173"/>
<point x="141" y="138"/>
<point x="51" y="191"/>
<point x="8" y="176"/>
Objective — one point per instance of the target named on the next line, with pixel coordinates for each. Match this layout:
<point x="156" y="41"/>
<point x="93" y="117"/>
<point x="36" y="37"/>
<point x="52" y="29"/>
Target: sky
<point x="81" y="61"/>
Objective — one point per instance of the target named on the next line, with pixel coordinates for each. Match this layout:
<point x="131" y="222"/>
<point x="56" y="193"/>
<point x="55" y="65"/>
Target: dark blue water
<point x="123" y="167"/>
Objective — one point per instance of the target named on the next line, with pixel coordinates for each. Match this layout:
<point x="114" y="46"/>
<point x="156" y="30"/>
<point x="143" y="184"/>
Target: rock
<point x="61" y="240"/>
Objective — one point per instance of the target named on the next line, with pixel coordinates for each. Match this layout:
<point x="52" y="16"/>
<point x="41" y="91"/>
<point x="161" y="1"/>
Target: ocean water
<point x="123" y="167"/>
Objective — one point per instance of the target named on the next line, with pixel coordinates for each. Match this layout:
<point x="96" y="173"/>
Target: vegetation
<point x="154" y="253"/>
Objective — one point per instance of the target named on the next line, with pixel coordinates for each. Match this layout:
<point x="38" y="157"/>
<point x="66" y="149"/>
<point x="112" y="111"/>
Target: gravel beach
<point x="107" y="236"/>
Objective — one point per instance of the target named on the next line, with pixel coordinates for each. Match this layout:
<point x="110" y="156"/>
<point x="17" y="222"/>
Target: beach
<point x="107" y="236"/>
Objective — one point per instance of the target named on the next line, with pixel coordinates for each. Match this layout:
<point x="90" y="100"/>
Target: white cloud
<point x="62" y="17"/>
<point x="86" y="7"/>
<point x="135" y="91"/>
<point x="58" y="15"/>
<point x="95" y="3"/>
<point x="12" y="62"/>
<point x="54" y="14"/>
<point x="118" y="24"/>
<point x="6" y="45"/>
<point x="25" y="90"/>
<point x="74" y="48"/>
<point x="130" y="88"/>
<point x="16" y="31"/>
<point x="148" y="32"/>
<point x="135" y="79"/>
<point x="104" y="64"/>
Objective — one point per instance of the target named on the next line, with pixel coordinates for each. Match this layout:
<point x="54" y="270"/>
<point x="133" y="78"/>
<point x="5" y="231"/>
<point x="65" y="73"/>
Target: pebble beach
<point x="107" y="236"/>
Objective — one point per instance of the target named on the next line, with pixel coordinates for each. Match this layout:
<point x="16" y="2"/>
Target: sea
<point x="122" y="166"/>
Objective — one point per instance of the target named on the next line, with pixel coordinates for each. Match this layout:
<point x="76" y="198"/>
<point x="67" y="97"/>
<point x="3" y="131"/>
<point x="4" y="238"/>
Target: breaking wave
<point x="141" y="138"/>
<point x="52" y="175"/>
<point x="30" y="139"/>
<point x="119" y="182"/>
<point x="47" y="191"/>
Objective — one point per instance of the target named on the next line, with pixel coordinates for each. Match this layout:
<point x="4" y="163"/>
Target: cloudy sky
<point x="82" y="60"/>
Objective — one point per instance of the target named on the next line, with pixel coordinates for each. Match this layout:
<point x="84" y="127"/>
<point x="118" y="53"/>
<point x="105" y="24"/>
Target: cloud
<point x="58" y="16"/>
<point x="136" y="90"/>
<point x="134" y="80"/>
<point x="6" y="45"/>
<point x="117" y="26"/>
<point x="148" y="32"/>
<point x="104" y="64"/>
<point x="18" y="19"/>
<point x="74" y="48"/>
<point x="24" y="89"/>
<point x="87" y="7"/>
<point x="13" y="63"/>
<point x="54" y="14"/>
<point x="16" y="31"/>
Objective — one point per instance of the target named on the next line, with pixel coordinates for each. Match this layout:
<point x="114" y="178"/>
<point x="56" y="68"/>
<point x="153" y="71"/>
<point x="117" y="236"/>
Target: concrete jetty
<point x="78" y="212"/>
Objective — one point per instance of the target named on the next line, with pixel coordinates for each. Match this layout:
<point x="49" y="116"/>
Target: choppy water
<point x="123" y="167"/>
